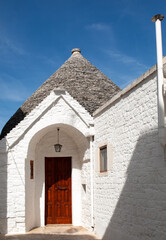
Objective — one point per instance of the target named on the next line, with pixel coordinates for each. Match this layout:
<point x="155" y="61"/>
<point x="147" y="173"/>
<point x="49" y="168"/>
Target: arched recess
<point x="74" y="145"/>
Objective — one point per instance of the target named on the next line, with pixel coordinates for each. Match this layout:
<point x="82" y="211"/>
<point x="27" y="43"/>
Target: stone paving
<point x="59" y="232"/>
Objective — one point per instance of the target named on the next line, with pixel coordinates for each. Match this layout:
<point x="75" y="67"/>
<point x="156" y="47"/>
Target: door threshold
<point x="58" y="225"/>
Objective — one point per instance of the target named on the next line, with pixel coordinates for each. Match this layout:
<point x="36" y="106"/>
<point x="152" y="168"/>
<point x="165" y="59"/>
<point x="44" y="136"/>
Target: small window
<point x="103" y="159"/>
<point x="31" y="169"/>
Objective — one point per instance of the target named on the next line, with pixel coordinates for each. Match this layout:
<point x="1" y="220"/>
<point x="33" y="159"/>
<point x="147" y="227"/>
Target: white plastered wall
<point x="3" y="187"/>
<point x="70" y="149"/>
<point x="57" y="110"/>
<point x="133" y="189"/>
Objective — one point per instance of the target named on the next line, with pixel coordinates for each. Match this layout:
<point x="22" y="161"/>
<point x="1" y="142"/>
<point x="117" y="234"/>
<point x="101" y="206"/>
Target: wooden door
<point x="58" y="205"/>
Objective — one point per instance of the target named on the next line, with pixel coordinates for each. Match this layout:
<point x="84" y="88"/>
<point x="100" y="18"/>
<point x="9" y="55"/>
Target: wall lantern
<point x="58" y="146"/>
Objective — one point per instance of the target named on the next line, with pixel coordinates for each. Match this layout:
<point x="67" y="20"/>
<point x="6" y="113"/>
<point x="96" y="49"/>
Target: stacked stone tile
<point x="82" y="80"/>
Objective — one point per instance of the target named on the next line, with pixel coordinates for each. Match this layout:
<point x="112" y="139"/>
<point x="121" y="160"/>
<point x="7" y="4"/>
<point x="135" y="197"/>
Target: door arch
<point x="75" y="145"/>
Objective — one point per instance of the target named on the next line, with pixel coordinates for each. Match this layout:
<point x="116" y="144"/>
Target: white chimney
<point x="160" y="78"/>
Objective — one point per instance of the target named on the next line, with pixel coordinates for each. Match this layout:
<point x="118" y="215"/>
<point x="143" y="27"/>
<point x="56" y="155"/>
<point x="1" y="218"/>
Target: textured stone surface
<point x="22" y="199"/>
<point x="130" y="199"/>
<point x="80" y="78"/>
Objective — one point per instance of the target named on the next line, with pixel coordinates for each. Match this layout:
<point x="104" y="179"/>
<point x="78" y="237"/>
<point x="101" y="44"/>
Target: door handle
<point x="62" y="188"/>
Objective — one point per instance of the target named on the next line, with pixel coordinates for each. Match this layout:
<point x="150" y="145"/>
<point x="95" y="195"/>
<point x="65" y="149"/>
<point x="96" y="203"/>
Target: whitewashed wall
<point x="45" y="149"/>
<point x="3" y="187"/>
<point x="86" y="194"/>
<point x="19" y="199"/>
<point x="76" y="146"/>
<point x="130" y="199"/>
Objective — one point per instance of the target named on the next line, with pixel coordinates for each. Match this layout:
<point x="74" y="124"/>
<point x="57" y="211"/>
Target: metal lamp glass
<point x="58" y="146"/>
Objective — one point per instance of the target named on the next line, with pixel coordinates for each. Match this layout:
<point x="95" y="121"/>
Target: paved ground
<point x="59" y="232"/>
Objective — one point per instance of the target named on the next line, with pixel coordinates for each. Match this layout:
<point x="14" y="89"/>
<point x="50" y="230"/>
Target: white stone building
<point x="110" y="175"/>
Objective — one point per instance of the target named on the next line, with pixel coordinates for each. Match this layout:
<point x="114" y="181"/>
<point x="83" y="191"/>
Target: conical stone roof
<point x="82" y="80"/>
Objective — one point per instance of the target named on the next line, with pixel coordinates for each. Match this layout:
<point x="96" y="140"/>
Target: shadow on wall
<point x="3" y="187"/>
<point x="140" y="213"/>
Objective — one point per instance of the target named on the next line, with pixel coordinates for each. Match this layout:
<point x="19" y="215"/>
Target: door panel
<point x="58" y="204"/>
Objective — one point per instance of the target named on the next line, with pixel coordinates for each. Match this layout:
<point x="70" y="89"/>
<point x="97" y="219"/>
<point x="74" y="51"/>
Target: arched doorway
<point x="75" y="146"/>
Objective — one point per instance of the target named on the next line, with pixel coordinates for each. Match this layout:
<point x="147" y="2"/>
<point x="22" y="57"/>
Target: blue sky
<point x="36" y="38"/>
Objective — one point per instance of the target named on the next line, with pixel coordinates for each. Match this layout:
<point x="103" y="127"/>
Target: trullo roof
<point x="82" y="80"/>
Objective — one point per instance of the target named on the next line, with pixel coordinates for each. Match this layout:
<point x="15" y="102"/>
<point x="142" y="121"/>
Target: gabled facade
<point x="110" y="173"/>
